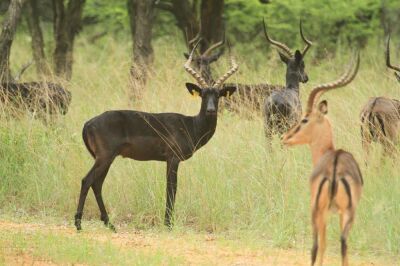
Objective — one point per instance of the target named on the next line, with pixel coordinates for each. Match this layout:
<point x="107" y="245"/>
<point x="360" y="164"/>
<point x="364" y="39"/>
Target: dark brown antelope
<point x="380" y="117"/>
<point x="253" y="96"/>
<point x="336" y="181"/>
<point x="36" y="96"/>
<point x="168" y="137"/>
<point x="282" y="109"/>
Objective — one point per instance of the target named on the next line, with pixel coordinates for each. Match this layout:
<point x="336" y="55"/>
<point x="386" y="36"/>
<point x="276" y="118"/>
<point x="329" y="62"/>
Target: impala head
<point x="209" y="93"/>
<point x="203" y="61"/>
<point x="295" y="68"/>
<point x="314" y="123"/>
<point x="388" y="64"/>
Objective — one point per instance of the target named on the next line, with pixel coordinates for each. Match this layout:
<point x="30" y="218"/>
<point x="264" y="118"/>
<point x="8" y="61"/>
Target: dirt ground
<point x="193" y="249"/>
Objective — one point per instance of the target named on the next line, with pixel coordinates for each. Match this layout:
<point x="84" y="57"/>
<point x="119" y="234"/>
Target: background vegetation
<point x="233" y="186"/>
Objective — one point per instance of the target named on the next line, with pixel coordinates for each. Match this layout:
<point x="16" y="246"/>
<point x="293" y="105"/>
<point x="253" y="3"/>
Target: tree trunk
<point x="67" y="23"/>
<point x="186" y="15"/>
<point x="39" y="57"/>
<point x="187" y="18"/>
<point x="212" y="25"/>
<point x="142" y="14"/>
<point x="6" y="38"/>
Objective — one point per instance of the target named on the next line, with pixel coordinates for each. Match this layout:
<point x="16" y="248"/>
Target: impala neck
<point x="322" y="143"/>
<point x="204" y="125"/>
<point x="292" y="81"/>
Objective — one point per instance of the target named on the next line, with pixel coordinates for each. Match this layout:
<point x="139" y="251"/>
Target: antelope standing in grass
<point x="36" y="96"/>
<point x="282" y="109"/>
<point x="336" y="181"/>
<point x="167" y="137"/>
<point x="248" y="96"/>
<point x="380" y="117"/>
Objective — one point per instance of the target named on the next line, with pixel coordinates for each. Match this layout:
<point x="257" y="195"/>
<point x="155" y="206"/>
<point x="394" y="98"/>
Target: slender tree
<point x="67" y="24"/>
<point x="193" y="16"/>
<point x="7" y="36"/>
<point x="39" y="56"/>
<point x="211" y="12"/>
<point x="141" y="14"/>
<point x="186" y="15"/>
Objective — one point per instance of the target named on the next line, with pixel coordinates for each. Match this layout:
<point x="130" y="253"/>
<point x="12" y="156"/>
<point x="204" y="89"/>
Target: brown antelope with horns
<point x="336" y="181"/>
<point x="166" y="137"/>
<point x="380" y="117"/>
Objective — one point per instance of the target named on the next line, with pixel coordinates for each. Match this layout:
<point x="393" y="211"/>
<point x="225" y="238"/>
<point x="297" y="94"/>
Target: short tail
<point x="333" y="188"/>
<point x="334" y="181"/>
<point x="85" y="135"/>
<point x="379" y="123"/>
<point x="374" y="122"/>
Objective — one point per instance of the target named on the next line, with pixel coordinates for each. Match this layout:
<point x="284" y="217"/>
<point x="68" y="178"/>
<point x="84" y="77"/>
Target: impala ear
<point x="323" y="107"/>
<point x="193" y="89"/>
<point x="227" y="90"/>
<point x="298" y="56"/>
<point x="284" y="58"/>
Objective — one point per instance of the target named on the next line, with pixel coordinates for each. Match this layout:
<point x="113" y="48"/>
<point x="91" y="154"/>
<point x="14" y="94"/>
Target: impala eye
<point x="305" y="120"/>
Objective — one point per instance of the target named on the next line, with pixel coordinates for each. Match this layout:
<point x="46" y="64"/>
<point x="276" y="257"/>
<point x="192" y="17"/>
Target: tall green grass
<point x="234" y="185"/>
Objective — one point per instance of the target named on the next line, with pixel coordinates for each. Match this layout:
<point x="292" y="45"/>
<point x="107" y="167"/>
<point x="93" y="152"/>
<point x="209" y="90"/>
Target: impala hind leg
<point x="319" y="237"/>
<point x="97" y="189"/>
<point x="268" y="138"/>
<point x="346" y="221"/>
<point x="82" y="197"/>
<point x="98" y="171"/>
<point x="322" y="237"/>
<point x="172" y="171"/>
<point x="269" y="132"/>
<point x="314" y="249"/>
<point x="320" y="206"/>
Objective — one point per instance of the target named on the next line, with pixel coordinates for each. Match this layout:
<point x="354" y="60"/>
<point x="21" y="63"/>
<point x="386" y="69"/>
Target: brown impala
<point x="380" y="117"/>
<point x="336" y="181"/>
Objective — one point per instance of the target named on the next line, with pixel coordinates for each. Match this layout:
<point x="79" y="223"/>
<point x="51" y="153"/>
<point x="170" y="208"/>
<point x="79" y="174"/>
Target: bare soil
<point x="193" y="249"/>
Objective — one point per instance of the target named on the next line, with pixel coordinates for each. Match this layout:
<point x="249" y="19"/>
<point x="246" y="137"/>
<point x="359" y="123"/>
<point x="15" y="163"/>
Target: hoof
<point x="78" y="218"/>
<point x="168" y="224"/>
<point x="78" y="225"/>
<point x="110" y="226"/>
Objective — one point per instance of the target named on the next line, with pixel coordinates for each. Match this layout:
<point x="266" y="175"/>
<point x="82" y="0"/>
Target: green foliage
<point x="329" y="24"/>
<point x="113" y="15"/>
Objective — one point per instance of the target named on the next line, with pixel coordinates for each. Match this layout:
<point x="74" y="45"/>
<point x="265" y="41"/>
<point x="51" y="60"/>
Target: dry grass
<point x="233" y="186"/>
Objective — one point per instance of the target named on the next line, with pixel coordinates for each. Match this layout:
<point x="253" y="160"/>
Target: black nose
<point x="211" y="112"/>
